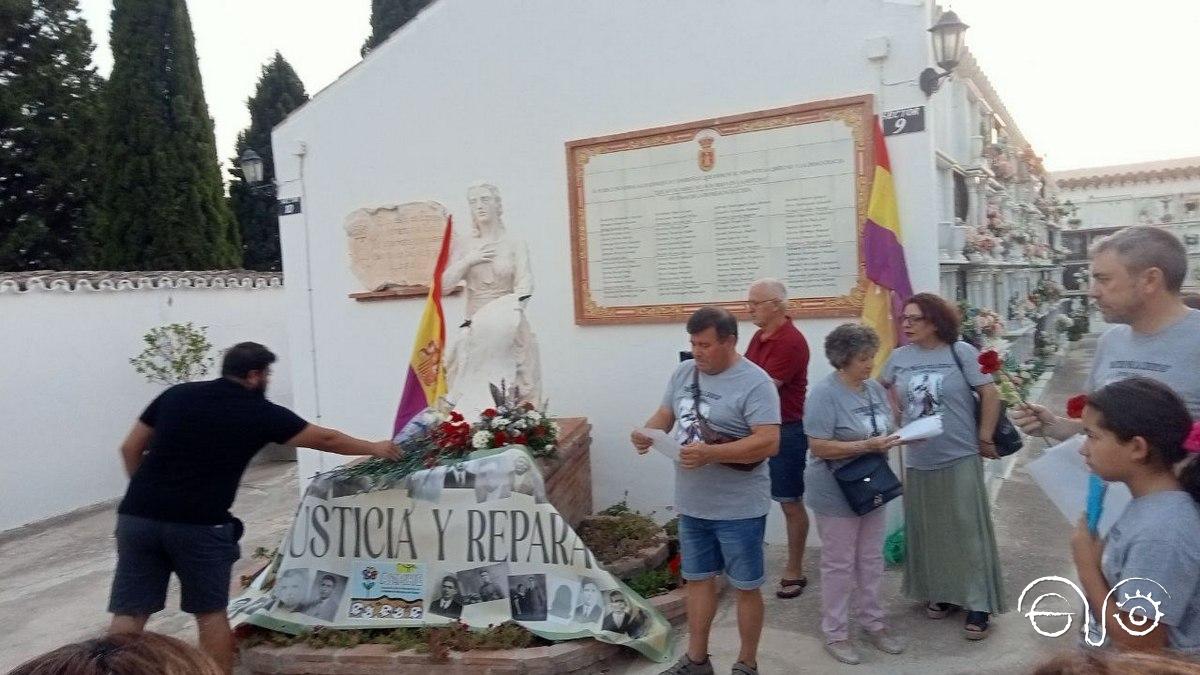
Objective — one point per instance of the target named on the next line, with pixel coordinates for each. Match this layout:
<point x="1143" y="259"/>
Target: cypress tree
<point x="164" y="204"/>
<point x="387" y="16"/>
<point x="279" y="92"/>
<point x="49" y="107"/>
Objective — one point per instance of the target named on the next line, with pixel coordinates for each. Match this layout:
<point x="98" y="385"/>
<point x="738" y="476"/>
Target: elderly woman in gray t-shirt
<point x="847" y="415"/>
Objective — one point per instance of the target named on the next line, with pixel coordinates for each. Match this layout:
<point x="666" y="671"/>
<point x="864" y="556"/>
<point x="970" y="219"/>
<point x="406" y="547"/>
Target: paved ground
<point x="56" y="578"/>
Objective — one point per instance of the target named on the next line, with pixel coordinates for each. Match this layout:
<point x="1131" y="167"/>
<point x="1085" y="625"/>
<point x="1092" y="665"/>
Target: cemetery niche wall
<point x="669" y="219"/>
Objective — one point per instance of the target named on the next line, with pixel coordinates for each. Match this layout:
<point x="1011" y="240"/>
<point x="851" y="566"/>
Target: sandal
<point x="976" y="626"/>
<point x="939" y="610"/>
<point x="786" y="584"/>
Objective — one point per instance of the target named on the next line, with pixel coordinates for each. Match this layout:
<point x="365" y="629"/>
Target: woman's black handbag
<point x="867" y="481"/>
<point x="1006" y="436"/>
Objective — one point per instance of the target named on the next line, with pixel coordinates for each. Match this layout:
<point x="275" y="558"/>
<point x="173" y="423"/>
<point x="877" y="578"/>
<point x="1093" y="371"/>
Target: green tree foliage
<point x="49" y="107"/>
<point x="387" y="16"/>
<point x="164" y="204"/>
<point x="279" y="92"/>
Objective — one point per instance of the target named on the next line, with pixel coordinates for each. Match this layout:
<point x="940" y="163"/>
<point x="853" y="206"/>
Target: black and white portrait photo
<point x="591" y="607"/>
<point x="326" y="595"/>
<point x="484" y="584"/>
<point x="291" y="589"/>
<point x="447" y="600"/>
<point x="493" y="479"/>
<point x="526" y="479"/>
<point x="528" y="597"/>
<point x="622" y="616"/>
<point x="457" y="477"/>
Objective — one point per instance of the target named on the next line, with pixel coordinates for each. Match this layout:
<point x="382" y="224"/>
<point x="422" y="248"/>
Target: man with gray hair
<point x="727" y="412"/>
<point x="781" y="350"/>
<point x="1137" y="274"/>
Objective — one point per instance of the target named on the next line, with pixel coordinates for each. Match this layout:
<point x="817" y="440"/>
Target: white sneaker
<point x="884" y="641"/>
<point x="843" y="651"/>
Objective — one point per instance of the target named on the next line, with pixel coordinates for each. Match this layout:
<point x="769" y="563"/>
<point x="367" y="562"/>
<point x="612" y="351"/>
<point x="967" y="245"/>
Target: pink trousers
<point x="851" y="560"/>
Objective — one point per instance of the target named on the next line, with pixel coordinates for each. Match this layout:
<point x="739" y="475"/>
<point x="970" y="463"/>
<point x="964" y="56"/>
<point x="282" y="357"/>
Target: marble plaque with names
<point x="666" y="220"/>
<point x="395" y="246"/>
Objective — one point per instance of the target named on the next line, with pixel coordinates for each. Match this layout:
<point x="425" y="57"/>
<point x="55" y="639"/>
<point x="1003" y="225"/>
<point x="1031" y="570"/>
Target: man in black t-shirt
<point x="185" y="457"/>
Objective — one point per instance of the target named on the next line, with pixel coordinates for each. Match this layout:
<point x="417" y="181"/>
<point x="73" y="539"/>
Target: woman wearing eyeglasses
<point x="951" y="561"/>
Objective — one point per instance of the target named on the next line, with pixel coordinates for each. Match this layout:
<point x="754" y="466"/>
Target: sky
<point x="1089" y="83"/>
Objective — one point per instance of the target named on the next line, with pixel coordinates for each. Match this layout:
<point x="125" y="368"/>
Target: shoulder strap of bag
<point x="696" y="390"/>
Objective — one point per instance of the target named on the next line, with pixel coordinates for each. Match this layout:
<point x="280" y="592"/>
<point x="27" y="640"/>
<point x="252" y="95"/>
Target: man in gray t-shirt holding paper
<point x="1137" y="276"/>
<point x="724" y="412"/>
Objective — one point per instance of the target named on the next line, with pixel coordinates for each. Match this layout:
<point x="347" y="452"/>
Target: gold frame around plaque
<point x="857" y="112"/>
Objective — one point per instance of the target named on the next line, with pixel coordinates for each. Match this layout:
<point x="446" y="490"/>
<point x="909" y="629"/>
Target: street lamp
<point x="252" y="167"/>
<point x="947" y="36"/>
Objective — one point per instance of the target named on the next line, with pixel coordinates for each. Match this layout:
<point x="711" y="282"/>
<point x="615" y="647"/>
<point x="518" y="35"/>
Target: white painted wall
<point x="68" y="394"/>
<point x="493" y="90"/>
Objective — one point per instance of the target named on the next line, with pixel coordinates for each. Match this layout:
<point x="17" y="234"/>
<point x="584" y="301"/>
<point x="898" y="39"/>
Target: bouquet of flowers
<point x="514" y="423"/>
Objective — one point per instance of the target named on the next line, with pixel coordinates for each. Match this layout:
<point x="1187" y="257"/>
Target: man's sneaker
<point x="843" y="651"/>
<point x="884" y="641"/>
<point x="740" y="668"/>
<point x="685" y="666"/>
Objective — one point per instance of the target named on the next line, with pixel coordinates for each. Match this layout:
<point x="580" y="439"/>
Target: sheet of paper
<point x="920" y="429"/>
<point x="662" y="442"/>
<point x="1062" y="474"/>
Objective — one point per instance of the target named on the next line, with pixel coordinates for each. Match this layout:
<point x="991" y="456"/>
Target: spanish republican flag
<point x="426" y="379"/>
<point x="887" y="273"/>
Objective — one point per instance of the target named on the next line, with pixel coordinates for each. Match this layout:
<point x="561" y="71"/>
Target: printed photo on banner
<point x="562" y="593"/>
<point x="526" y="480"/>
<point x="291" y="589"/>
<point x="528" y="597"/>
<point x="447" y="600"/>
<point x="426" y="486"/>
<point x="326" y="594"/>
<point x="484" y="584"/>
<point x="622" y="616"/>
<point x="590" y="609"/>
<point x="493" y="478"/>
<point x="458" y="477"/>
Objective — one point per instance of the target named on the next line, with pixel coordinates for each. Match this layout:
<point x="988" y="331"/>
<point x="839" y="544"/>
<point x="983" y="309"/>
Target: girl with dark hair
<point x="951" y="560"/>
<point x="1139" y="433"/>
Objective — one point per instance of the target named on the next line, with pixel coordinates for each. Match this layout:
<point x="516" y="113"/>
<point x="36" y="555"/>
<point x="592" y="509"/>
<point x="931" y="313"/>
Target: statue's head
<point x="486" y="208"/>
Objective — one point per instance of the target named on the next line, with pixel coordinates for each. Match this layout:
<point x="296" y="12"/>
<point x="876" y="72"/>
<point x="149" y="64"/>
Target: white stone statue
<point x="496" y="342"/>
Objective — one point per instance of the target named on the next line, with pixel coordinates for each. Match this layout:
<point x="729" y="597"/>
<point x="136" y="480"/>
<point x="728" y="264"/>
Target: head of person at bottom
<point x="713" y="333"/>
<point x="123" y="654"/>
<point x="851" y="349"/>
<point x="1137" y="272"/>
<point x="1137" y="429"/>
<point x="929" y="321"/>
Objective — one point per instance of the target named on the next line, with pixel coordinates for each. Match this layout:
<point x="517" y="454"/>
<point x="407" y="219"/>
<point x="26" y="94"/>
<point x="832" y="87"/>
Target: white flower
<point x="481" y="440"/>
<point x="550" y="448"/>
<point x="534" y="416"/>
<point x="519" y="424"/>
<point x="553" y="426"/>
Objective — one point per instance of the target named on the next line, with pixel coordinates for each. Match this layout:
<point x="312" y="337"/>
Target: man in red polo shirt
<point x="781" y="350"/>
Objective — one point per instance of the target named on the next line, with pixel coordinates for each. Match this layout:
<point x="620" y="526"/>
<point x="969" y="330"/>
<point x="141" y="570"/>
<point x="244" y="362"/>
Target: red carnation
<point x="455" y="416"/>
<point x="989" y="361"/>
<point x="673" y="565"/>
<point x="500" y="438"/>
<point x="519" y="439"/>
<point x="447" y="428"/>
<point x="489" y="413"/>
<point x="1075" y="406"/>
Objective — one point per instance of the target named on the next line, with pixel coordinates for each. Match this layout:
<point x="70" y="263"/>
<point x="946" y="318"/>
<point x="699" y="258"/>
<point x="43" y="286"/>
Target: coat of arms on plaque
<point x="708" y="153"/>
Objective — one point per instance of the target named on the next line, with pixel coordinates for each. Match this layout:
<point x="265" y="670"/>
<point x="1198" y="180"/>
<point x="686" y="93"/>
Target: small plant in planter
<point x="618" y="532"/>
<point x="175" y="353"/>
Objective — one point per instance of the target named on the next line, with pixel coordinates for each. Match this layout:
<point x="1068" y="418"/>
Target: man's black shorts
<point x="148" y="551"/>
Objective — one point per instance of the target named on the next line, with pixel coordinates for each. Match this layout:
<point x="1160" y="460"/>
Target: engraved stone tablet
<point x="395" y="246"/>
